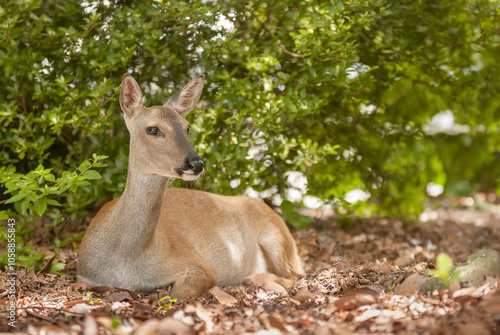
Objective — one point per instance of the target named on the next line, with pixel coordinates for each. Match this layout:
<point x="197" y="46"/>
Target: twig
<point x="51" y="308"/>
<point x="282" y="46"/>
<point x="40" y="316"/>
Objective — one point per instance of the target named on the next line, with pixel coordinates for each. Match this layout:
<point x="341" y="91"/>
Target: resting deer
<point x="153" y="236"/>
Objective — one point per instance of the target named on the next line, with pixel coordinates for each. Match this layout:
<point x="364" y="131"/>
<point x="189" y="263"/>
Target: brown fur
<point x="152" y="236"/>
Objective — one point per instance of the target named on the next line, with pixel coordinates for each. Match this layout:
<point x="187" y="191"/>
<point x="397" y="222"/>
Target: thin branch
<point x="51" y="308"/>
<point x="282" y="46"/>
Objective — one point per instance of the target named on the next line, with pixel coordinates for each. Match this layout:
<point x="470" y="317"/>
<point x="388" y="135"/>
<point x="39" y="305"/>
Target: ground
<point x="361" y="280"/>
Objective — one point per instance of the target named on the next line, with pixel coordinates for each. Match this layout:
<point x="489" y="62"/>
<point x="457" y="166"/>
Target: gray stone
<point x="479" y="266"/>
<point x="435" y="283"/>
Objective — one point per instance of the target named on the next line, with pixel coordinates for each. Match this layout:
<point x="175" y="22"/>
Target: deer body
<point x="153" y="236"/>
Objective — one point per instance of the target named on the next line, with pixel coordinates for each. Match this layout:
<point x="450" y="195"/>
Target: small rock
<point x="478" y="267"/>
<point x="435" y="283"/>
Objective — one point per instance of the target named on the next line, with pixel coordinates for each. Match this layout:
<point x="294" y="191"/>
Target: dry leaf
<point x="324" y="254"/>
<point x="53" y="330"/>
<point x="404" y="260"/>
<point x="149" y="327"/>
<point x="83" y="308"/>
<point x="89" y="325"/>
<point x="366" y="315"/>
<point x="411" y="284"/>
<point x="120" y="296"/>
<point x="304" y="295"/>
<point x="355" y="301"/>
<point x="474" y="329"/>
<point x="205" y="317"/>
<point x="170" y="326"/>
<point x="223" y="297"/>
<point x="266" y="283"/>
<point x="80" y="286"/>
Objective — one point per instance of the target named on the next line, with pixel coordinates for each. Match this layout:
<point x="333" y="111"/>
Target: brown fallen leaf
<point x="382" y="266"/>
<point x="303" y="295"/>
<point x="40" y="279"/>
<point x="286" y="283"/>
<point x="83" y="308"/>
<point x="464" y="294"/>
<point x="121" y="296"/>
<point x="205" y="317"/>
<point x="53" y="330"/>
<point x="411" y="284"/>
<point x="366" y="315"/>
<point x="276" y="322"/>
<point x="89" y="325"/>
<point x="404" y="260"/>
<point x="475" y="328"/>
<point x="490" y="304"/>
<point x="149" y="327"/>
<point x="170" y="326"/>
<point x="324" y="254"/>
<point x="266" y="283"/>
<point x="105" y="321"/>
<point x="48" y="267"/>
<point x="355" y="301"/>
<point x="108" y="289"/>
<point x="341" y="331"/>
<point x="80" y="286"/>
<point x="223" y="297"/>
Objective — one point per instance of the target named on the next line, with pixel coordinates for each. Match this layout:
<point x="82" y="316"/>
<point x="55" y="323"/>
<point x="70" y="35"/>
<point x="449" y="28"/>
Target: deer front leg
<point x="196" y="280"/>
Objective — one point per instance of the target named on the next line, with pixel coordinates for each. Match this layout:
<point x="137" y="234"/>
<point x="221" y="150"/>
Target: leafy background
<point x="304" y="100"/>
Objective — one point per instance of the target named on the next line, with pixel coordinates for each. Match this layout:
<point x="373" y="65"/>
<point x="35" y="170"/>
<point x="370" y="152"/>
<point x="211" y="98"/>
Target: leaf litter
<point x="362" y="280"/>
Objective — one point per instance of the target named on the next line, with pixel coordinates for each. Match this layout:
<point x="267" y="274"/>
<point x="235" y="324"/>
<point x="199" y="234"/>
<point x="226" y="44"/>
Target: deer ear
<point x="130" y="95"/>
<point x="185" y="100"/>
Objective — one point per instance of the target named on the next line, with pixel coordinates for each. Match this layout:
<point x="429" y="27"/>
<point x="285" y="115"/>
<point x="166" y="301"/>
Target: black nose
<point x="195" y="164"/>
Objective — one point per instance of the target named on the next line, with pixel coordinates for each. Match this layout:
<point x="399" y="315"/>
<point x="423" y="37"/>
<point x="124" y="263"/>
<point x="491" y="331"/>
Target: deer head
<point x="159" y="135"/>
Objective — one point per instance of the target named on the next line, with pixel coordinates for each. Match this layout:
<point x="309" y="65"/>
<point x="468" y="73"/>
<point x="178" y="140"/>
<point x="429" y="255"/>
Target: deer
<point x="153" y="236"/>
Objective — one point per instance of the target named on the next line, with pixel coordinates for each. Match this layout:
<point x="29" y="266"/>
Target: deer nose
<point x="195" y="164"/>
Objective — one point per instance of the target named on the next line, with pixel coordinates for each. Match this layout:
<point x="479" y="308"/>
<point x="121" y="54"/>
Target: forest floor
<point x="362" y="280"/>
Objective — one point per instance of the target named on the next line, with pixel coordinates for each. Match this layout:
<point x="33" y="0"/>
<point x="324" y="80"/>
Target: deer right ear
<point x="130" y="95"/>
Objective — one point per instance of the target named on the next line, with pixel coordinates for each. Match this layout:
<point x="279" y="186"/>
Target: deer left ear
<point x="187" y="98"/>
<point x="130" y="96"/>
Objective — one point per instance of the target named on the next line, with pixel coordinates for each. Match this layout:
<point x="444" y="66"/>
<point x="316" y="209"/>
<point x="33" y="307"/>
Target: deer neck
<point x="137" y="212"/>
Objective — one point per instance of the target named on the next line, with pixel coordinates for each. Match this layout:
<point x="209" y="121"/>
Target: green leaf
<point x="3" y="215"/>
<point x="16" y="198"/>
<point x="444" y="263"/>
<point x="49" y="177"/>
<point x="25" y="204"/>
<point x="56" y="267"/>
<point x="84" y="166"/>
<point x="52" y="202"/>
<point x="293" y="218"/>
<point x="92" y="175"/>
<point x="40" y="206"/>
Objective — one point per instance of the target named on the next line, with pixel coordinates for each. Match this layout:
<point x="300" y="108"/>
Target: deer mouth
<point x="188" y="174"/>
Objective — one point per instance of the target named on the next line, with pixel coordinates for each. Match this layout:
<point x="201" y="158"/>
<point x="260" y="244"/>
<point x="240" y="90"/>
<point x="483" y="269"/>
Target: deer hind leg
<point x="280" y="251"/>
<point x="194" y="281"/>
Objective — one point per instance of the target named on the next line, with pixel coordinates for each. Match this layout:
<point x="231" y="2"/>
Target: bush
<point x="338" y="91"/>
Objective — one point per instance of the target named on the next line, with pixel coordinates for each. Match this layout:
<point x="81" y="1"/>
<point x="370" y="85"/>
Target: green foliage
<point x="340" y="91"/>
<point x="444" y="264"/>
<point x="292" y="217"/>
<point x="168" y="302"/>
<point x="92" y="301"/>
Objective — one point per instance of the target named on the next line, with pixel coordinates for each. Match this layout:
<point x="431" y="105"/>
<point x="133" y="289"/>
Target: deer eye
<point x="153" y="131"/>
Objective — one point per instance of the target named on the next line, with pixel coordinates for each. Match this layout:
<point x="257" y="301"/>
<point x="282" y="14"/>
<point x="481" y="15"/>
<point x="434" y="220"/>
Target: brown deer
<point x="153" y="236"/>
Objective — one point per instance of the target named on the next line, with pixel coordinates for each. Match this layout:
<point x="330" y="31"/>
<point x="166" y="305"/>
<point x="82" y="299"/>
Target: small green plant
<point x="167" y="304"/>
<point x="392" y="287"/>
<point x="92" y="301"/>
<point x="444" y="264"/>
<point x="115" y="321"/>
